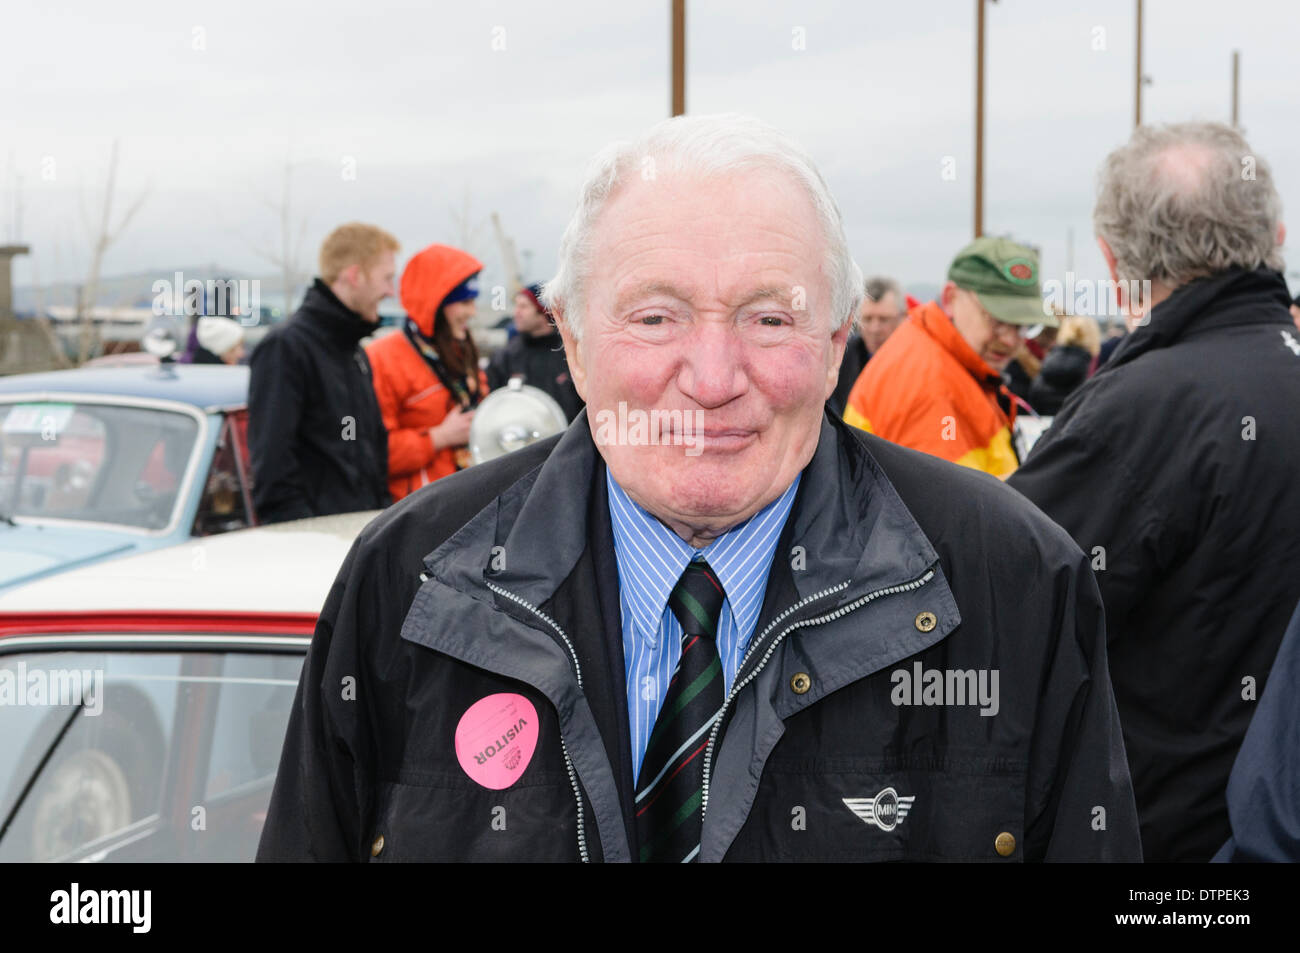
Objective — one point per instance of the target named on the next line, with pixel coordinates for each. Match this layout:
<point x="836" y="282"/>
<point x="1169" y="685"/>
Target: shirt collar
<point x="651" y="558"/>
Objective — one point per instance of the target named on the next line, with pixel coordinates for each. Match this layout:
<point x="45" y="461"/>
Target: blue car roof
<point x="203" y="385"/>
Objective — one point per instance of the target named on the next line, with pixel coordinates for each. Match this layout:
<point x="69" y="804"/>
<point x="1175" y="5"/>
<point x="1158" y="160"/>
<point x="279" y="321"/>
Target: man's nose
<point x="712" y="369"/>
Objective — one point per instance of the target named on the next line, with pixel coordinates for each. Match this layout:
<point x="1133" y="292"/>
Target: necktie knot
<point x="697" y="599"/>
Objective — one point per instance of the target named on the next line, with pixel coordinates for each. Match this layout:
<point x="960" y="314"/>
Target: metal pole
<point x="979" y="118"/>
<point x="1236" y="66"/>
<point x="1137" y="86"/>
<point x="679" y="57"/>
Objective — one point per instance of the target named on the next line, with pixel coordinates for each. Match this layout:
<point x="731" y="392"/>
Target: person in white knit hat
<point x="221" y="337"/>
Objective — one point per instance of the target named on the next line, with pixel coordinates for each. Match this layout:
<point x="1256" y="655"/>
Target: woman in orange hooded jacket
<point x="427" y="378"/>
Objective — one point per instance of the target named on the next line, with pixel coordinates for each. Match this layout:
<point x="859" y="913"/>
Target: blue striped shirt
<point x="651" y="558"/>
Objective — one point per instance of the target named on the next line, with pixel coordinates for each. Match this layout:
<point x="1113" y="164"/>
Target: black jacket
<point x="316" y="438"/>
<point x="503" y="580"/>
<point x="542" y="363"/>
<point x="1176" y="469"/>
<point x="856" y="356"/>
<point x="1064" y="370"/>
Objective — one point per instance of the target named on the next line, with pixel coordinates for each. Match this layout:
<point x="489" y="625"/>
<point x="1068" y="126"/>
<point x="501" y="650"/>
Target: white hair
<point x="709" y="146"/>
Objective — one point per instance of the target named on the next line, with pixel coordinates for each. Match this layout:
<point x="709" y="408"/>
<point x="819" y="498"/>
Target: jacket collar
<point x="847" y="517"/>
<point x="331" y="318"/>
<point x="544" y="342"/>
<point x="1231" y="297"/>
<point x="932" y="320"/>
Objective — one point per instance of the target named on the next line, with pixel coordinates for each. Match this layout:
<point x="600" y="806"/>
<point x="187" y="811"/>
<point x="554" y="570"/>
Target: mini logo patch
<point x="886" y="810"/>
<point x="1021" y="271"/>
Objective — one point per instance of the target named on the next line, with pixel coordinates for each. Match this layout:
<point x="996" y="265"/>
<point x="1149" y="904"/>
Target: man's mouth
<point x="724" y="439"/>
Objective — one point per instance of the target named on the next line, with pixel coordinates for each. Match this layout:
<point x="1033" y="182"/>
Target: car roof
<point x="281" y="568"/>
<point x="203" y="385"/>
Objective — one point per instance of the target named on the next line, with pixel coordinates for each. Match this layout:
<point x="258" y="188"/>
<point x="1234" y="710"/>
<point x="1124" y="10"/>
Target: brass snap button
<point x="1005" y="844"/>
<point x="377" y="846"/>
<point x="926" y="621"/>
<point x="800" y="683"/>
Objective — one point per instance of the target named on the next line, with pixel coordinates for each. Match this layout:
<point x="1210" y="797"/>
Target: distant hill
<point x="132" y="290"/>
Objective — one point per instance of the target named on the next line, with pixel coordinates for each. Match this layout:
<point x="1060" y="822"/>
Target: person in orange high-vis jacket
<point x="936" y="384"/>
<point x="427" y="378"/>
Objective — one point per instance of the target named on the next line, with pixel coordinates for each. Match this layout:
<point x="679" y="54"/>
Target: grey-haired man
<point x="1175" y="466"/>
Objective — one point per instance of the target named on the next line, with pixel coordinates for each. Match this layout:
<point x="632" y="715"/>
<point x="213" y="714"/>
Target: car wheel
<point x="86" y="797"/>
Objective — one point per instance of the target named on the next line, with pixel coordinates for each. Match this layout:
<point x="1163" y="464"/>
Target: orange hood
<point x="428" y="278"/>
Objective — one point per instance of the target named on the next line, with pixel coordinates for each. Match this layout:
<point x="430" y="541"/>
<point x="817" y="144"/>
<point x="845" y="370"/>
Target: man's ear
<point x="839" y="339"/>
<point x="1109" y="255"/>
<point x="1122" y="302"/>
<point x="947" y="295"/>
<point x="572" y="353"/>
<point x="1281" y="234"/>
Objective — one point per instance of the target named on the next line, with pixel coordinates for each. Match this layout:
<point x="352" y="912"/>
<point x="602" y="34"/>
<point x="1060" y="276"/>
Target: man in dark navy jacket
<point x="710" y="621"/>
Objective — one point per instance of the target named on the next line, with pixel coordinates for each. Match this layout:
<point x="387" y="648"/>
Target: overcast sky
<point x="498" y="106"/>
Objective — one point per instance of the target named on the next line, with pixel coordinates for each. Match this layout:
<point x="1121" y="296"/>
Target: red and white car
<point x="143" y="701"/>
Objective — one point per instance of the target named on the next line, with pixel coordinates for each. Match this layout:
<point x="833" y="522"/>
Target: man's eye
<point x="652" y="319"/>
<point x="772" y="320"/>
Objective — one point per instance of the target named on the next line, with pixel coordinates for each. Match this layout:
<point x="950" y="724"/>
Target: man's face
<point x="708" y="296"/>
<point x="372" y="285"/>
<point x="529" y="319"/>
<point x="994" y="341"/>
<point x="1295" y="314"/>
<point x="878" y="320"/>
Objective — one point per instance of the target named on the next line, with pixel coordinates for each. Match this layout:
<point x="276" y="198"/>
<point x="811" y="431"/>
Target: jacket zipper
<point x="771" y="649"/>
<point x="564" y="748"/>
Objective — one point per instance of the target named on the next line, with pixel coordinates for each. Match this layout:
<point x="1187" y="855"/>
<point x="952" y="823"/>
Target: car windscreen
<point x="102" y="463"/>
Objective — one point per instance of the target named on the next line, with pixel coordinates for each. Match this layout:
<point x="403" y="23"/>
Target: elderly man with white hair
<point x="710" y="621"/>
<point x="1175" y="466"/>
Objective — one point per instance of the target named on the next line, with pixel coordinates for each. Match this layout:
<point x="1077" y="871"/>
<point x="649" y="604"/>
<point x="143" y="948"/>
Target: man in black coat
<point x="315" y="434"/>
<point x="879" y="655"/>
<point x="536" y="354"/>
<point x="1175" y="467"/>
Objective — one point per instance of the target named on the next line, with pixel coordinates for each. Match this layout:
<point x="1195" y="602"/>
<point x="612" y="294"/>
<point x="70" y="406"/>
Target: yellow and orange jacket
<point x="411" y="398"/>
<point x="927" y="389"/>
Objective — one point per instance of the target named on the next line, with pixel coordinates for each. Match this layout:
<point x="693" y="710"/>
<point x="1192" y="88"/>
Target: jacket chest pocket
<point x="888" y="809"/>
<point x="451" y="818"/>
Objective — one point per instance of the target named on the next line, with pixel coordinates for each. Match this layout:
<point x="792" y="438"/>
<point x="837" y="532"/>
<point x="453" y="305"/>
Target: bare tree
<point x="288" y="257"/>
<point x="467" y="231"/>
<point x="105" y="234"/>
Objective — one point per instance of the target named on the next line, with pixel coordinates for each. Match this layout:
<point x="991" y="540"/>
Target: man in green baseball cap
<point x="993" y="295"/>
<point x="936" y="384"/>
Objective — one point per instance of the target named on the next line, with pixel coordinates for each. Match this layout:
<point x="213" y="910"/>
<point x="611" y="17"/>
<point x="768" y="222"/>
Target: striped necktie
<point x="668" y="799"/>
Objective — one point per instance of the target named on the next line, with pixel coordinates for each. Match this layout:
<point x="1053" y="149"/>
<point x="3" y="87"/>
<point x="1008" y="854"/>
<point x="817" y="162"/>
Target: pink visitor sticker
<point x="496" y="738"/>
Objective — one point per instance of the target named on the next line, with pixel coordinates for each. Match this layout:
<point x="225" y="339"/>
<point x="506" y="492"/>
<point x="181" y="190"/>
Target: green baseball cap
<point x="1004" y="276"/>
